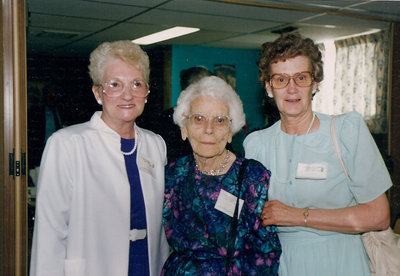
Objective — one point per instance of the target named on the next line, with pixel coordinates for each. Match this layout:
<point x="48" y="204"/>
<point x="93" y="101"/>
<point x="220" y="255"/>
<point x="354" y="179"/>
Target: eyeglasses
<point x="115" y="88"/>
<point x="302" y="79"/>
<point x="219" y="122"/>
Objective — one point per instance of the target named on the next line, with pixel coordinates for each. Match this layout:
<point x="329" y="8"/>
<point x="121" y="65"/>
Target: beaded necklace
<point x="134" y="146"/>
<point x="220" y="168"/>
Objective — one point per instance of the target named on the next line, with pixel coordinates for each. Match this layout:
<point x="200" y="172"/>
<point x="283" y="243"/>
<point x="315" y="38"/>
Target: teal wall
<point x="247" y="84"/>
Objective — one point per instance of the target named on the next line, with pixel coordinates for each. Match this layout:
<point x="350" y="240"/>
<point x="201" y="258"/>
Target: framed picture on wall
<point x="226" y="72"/>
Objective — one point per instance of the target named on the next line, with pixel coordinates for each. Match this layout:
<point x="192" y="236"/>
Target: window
<point x="355" y="78"/>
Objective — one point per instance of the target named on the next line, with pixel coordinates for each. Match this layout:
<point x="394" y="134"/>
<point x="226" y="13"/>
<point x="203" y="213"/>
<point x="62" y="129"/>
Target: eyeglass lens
<point x="218" y="121"/>
<point x="302" y="79"/>
<point x="115" y="88"/>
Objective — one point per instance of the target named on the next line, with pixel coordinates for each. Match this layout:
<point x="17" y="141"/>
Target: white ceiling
<point x="76" y="27"/>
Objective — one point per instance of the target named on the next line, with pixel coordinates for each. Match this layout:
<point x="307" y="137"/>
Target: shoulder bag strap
<point x="336" y="146"/>
<point x="232" y="233"/>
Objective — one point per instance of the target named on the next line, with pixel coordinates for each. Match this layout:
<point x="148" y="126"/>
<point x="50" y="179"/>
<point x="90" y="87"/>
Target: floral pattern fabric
<point x="198" y="233"/>
<point x="359" y="80"/>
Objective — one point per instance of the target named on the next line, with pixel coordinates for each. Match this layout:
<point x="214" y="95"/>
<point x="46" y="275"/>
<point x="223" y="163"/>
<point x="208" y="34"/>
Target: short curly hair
<point x="125" y="50"/>
<point x="216" y="88"/>
<point x="289" y="46"/>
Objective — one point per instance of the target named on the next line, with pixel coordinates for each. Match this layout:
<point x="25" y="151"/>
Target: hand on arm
<point x="362" y="217"/>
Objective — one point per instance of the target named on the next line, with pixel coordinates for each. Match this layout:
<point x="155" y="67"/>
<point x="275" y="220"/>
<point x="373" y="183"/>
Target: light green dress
<point x="307" y="251"/>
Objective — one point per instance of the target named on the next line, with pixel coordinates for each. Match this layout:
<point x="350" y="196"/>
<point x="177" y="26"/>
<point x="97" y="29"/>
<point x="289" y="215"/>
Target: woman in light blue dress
<point x="320" y="213"/>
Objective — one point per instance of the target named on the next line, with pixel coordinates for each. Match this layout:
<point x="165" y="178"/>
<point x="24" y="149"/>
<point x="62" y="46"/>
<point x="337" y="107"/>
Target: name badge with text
<point x="312" y="171"/>
<point x="226" y="203"/>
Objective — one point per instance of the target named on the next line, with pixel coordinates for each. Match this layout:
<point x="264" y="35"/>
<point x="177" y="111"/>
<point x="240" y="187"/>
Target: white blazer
<point x="82" y="220"/>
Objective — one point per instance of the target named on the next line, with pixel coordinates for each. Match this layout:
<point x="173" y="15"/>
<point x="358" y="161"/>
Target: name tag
<point x="312" y="171"/>
<point x="146" y="165"/>
<point x="226" y="203"/>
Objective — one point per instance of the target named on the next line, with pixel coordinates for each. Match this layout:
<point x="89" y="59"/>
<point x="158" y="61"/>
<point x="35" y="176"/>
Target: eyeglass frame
<point x="131" y="89"/>
<point x="292" y="77"/>
<point x="229" y="119"/>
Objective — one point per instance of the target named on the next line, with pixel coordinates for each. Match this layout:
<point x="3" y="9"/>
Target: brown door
<point x="13" y="200"/>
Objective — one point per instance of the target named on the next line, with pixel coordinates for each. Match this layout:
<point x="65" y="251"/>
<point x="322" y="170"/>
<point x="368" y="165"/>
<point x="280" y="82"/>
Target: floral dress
<point x="198" y="233"/>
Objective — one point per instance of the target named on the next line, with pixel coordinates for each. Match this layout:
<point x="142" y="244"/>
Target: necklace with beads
<point x="220" y="168"/>
<point x="134" y="145"/>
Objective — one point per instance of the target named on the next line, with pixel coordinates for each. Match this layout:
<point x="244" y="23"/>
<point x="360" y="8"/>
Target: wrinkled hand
<point x="277" y="213"/>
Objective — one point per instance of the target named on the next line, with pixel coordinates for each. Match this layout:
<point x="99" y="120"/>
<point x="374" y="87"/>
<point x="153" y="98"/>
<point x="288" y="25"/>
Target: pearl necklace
<point x="134" y="146"/>
<point x="220" y="168"/>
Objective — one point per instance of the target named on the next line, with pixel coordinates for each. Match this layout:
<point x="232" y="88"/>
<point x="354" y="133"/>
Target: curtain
<point x="361" y="79"/>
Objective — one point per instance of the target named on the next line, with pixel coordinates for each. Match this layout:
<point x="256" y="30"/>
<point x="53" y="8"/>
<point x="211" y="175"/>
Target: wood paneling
<point x="13" y="213"/>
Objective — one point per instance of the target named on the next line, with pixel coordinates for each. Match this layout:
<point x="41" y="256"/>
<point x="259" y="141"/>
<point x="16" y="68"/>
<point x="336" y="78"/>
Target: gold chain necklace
<point x="220" y="168"/>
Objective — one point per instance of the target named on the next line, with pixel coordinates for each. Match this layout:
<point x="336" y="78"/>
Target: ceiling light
<point x="164" y="35"/>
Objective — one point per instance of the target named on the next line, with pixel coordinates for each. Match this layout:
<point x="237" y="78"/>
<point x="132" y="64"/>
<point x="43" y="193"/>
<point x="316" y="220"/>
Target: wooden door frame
<point x="13" y="137"/>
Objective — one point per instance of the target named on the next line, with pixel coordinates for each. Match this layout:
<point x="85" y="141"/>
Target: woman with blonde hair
<point x="101" y="183"/>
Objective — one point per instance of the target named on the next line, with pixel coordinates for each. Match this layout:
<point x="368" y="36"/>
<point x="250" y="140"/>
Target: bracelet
<point x="305" y="214"/>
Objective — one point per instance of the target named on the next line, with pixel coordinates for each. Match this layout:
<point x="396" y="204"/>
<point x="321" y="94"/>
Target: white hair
<point x="214" y="87"/>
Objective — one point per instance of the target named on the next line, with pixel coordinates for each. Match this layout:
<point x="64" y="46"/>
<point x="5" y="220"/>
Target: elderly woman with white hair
<point x="214" y="198"/>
